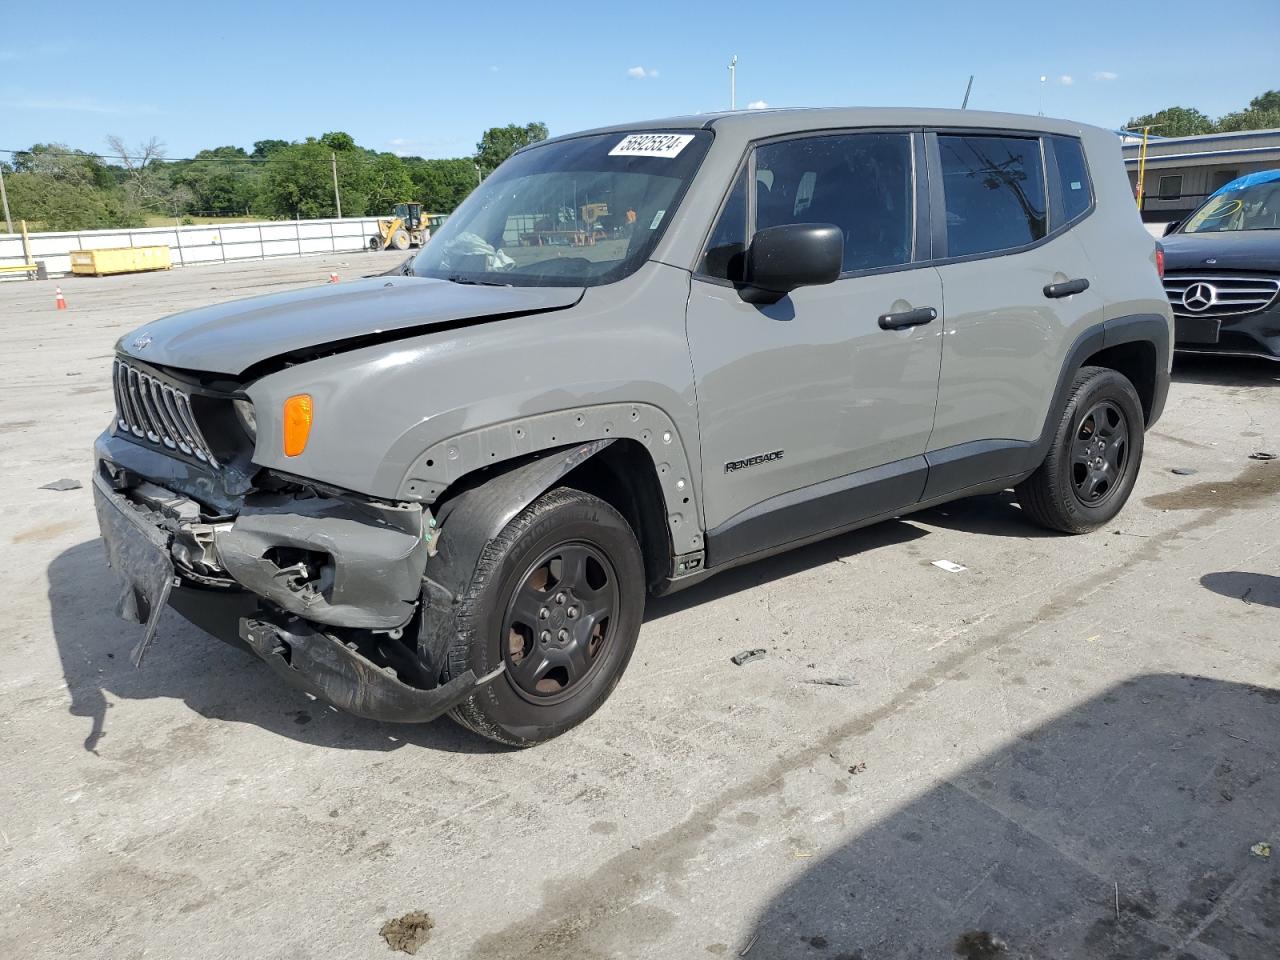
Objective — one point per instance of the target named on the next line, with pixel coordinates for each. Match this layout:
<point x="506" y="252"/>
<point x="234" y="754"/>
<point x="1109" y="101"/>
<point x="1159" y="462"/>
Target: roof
<point x="1202" y="139"/>
<point x="751" y="124"/>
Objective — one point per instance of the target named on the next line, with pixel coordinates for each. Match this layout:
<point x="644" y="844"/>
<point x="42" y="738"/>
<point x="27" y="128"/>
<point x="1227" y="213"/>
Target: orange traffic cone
<point x="333" y="277"/>
<point x="59" y="301"/>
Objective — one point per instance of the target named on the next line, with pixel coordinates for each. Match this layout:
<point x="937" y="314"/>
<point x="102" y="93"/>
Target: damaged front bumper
<point x="326" y="588"/>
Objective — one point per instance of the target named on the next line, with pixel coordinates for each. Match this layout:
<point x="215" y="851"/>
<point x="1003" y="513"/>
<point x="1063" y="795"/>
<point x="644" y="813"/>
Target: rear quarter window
<point x="1071" y="185"/>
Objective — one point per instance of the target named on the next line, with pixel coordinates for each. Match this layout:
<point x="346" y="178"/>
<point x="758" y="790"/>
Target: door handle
<point x="1065" y="289"/>
<point x="908" y="318"/>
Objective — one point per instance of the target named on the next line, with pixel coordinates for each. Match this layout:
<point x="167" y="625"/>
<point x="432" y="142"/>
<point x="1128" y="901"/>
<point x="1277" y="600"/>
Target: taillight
<point x="1160" y="261"/>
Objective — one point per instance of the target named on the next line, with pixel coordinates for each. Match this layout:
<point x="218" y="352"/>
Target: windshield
<point x="1243" y="205"/>
<point x="578" y="212"/>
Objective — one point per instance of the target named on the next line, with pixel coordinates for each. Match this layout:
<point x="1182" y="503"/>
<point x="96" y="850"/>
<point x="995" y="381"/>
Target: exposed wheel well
<point x="623" y="476"/>
<point x="1137" y="361"/>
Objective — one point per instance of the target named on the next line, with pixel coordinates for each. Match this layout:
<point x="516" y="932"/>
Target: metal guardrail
<point x="199" y="243"/>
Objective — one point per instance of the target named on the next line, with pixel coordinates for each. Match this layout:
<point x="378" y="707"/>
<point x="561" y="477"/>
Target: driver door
<point x="812" y="416"/>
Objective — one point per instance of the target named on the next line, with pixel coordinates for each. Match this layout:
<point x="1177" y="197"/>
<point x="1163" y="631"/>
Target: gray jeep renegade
<point x="634" y="357"/>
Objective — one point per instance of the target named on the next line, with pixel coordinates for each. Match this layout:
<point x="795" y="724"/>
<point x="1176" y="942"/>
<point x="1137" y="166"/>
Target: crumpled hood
<point x="231" y="337"/>
<point x="1229" y="250"/>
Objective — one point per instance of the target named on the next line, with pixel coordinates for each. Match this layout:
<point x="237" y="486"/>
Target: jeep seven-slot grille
<point x="1200" y="294"/>
<point x="153" y="410"/>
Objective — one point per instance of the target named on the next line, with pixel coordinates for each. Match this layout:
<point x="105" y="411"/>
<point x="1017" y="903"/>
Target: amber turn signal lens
<point x="298" y="412"/>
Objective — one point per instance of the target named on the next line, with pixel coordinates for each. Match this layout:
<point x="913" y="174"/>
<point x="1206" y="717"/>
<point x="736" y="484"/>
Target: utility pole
<point x="965" y="104"/>
<point x="733" y="83"/>
<point x="1142" y="159"/>
<point x="479" y="178"/>
<point x="4" y="197"/>
<point x="337" y="200"/>
<point x="1043" y="78"/>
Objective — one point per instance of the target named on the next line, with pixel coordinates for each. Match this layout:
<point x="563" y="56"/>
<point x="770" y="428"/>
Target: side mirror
<point x="792" y="255"/>
<point x="1170" y="227"/>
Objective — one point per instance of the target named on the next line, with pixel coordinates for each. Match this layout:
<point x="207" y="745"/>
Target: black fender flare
<point x="1143" y="327"/>
<point x="467" y="524"/>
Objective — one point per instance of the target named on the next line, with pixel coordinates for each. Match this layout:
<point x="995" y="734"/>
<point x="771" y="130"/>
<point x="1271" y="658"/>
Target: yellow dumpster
<point x="120" y="260"/>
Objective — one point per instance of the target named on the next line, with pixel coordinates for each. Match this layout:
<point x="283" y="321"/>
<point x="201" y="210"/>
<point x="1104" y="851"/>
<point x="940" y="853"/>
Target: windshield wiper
<point x="477" y="283"/>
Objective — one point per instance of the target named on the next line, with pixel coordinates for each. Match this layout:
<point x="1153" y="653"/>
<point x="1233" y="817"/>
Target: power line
<point x="115" y="156"/>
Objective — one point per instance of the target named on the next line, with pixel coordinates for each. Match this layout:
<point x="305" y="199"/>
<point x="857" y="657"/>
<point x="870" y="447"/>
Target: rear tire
<point x="1094" y="458"/>
<point x="557" y="599"/>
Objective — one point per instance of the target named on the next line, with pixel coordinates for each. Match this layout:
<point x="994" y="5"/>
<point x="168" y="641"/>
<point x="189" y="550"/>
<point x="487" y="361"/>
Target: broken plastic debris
<point x="64" y="484"/>
<point x="409" y="932"/>
<point x="832" y="681"/>
<point x="1184" y="471"/>
<point x="948" y="566"/>
<point x="1261" y="849"/>
<point x="1262" y="455"/>
<point x="746" y="656"/>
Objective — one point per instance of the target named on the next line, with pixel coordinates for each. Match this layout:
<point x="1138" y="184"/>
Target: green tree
<point x="1269" y="101"/>
<point x="264" y="148"/>
<point x="221" y="182"/>
<point x="299" y="182"/>
<point x="1174" y="122"/>
<point x="339" y="141"/>
<point x="1249" y="120"/>
<point x="59" y="161"/>
<point x="498" y="143"/>
<point x="58" y="188"/>
<point x="440" y="185"/>
<point x="388" y="183"/>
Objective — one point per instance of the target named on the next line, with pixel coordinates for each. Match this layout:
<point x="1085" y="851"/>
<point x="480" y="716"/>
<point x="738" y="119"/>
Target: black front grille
<point x="1200" y="294"/>
<point x="158" y="412"/>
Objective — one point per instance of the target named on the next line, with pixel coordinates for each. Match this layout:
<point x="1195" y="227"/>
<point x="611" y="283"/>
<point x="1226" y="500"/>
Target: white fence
<point x="205" y="243"/>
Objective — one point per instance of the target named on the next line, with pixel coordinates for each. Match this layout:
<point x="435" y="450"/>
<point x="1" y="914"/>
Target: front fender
<point x="444" y="463"/>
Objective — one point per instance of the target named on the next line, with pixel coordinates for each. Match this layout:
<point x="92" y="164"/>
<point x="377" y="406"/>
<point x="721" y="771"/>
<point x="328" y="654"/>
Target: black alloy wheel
<point x="559" y="621"/>
<point x="1099" y="453"/>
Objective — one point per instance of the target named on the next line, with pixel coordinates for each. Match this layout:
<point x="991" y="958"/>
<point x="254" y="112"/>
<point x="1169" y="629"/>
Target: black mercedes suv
<point x="1222" y="271"/>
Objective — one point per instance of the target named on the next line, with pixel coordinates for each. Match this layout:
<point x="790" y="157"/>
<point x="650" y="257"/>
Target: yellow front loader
<point x="405" y="228"/>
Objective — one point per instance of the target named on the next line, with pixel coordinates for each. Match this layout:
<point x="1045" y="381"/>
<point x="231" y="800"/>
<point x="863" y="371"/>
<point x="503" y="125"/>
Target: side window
<point x="1171" y="187"/>
<point x="727" y="248"/>
<point x="1073" y="178"/>
<point x="994" y="192"/>
<point x="860" y="182"/>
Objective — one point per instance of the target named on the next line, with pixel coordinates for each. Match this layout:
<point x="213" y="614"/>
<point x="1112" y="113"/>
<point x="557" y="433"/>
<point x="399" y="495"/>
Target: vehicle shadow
<point x="212" y="678"/>
<point x="992" y="515"/>
<point x="996" y="515"/>
<point x="1121" y="829"/>
<point x="759" y="572"/>
<point x="223" y="683"/>
<point x="1225" y="371"/>
<point x="1259" y="588"/>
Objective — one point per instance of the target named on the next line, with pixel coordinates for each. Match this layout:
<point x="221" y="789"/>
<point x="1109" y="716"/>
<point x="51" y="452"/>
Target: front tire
<point x="557" y="599"/>
<point x="1093" y="462"/>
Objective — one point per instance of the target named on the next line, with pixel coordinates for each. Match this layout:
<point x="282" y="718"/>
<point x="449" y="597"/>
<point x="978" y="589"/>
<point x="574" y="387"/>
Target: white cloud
<point x="432" y="146"/>
<point x="640" y="73"/>
<point x="494" y="68"/>
<point x="1066" y="79"/>
<point x="757" y="105"/>
<point x="1105" y="75"/>
<point x="76" y="105"/>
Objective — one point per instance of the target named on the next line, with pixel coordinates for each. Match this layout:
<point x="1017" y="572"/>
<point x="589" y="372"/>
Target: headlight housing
<point x="247" y="418"/>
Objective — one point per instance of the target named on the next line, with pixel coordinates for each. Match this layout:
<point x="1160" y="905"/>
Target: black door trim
<point x="966" y="469"/>
<point x="800" y="514"/>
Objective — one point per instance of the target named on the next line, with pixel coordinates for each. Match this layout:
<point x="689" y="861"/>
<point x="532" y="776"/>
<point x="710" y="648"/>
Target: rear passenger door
<point x="1008" y="261"/>
<point x="800" y="400"/>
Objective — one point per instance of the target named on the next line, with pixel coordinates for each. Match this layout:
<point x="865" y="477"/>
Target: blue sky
<point x="202" y="74"/>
